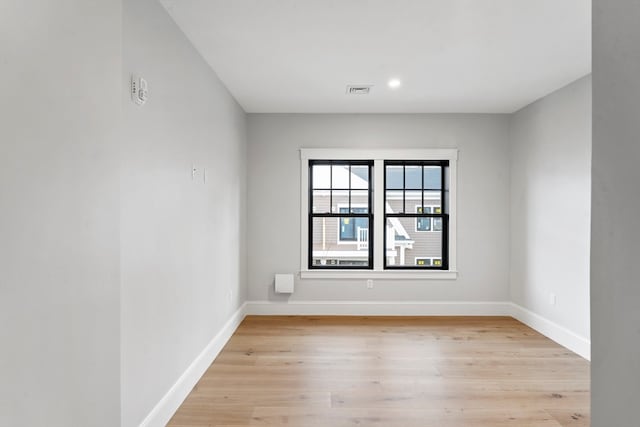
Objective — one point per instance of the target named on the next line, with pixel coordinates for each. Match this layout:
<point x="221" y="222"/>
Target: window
<point x="425" y="223"/>
<point x="426" y="262"/>
<point x="405" y="198"/>
<point x="415" y="193"/>
<point x="340" y="214"/>
<point x="350" y="228"/>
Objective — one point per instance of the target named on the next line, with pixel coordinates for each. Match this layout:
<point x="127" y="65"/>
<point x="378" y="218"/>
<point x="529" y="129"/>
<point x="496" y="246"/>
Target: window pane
<point x="404" y="244"/>
<point x="432" y="198"/>
<point x="321" y="201"/>
<point x="347" y="228"/>
<point x="393" y="202"/>
<point x="413" y="177"/>
<point x="320" y="176"/>
<point x="394" y="176"/>
<point x="340" y="199"/>
<point x="423" y="224"/>
<point x="360" y="177"/>
<point x="340" y="241"/>
<point x="413" y="198"/>
<point x="359" y="201"/>
<point x="340" y="176"/>
<point x="432" y="177"/>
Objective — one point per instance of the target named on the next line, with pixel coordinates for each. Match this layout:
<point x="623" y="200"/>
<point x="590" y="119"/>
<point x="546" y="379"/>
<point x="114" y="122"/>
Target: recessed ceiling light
<point x="394" y="83"/>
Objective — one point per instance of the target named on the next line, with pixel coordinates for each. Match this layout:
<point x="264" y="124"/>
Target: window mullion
<point x="378" y="217"/>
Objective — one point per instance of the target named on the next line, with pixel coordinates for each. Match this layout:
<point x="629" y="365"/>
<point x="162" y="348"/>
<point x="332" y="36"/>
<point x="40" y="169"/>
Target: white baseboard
<point x="374" y="308"/>
<point x="169" y="404"/>
<point x="553" y="331"/>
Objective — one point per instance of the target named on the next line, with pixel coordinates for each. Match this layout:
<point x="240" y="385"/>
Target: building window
<point x="428" y="224"/>
<point x="415" y="193"/>
<point x="423" y="224"/>
<point x="353" y="229"/>
<point x="404" y="198"/>
<point x="427" y="262"/>
<point x="340" y="214"/>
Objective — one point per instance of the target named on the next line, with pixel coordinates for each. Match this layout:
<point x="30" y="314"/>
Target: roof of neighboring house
<point x="397" y="226"/>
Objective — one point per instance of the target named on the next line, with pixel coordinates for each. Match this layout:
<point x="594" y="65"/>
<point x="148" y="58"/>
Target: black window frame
<point x="444" y="165"/>
<point x="338" y="216"/>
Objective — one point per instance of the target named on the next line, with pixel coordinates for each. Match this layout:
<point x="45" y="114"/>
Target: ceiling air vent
<point x="358" y="90"/>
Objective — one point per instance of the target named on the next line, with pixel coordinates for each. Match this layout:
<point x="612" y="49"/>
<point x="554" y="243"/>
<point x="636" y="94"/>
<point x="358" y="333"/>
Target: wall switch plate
<point x="369" y="284"/>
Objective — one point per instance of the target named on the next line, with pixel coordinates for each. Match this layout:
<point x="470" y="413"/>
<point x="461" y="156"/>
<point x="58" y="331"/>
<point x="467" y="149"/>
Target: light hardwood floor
<point x="389" y="371"/>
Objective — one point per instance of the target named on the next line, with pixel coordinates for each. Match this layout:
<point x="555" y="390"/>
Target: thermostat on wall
<point x="139" y="90"/>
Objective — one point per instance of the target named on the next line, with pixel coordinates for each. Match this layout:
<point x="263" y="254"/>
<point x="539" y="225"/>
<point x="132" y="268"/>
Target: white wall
<point x="274" y="200"/>
<point x="60" y="103"/>
<point x="615" y="229"/>
<point x="183" y="251"/>
<point x="550" y="206"/>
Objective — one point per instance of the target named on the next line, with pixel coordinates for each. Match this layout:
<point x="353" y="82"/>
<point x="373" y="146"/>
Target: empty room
<point x="319" y="213"/>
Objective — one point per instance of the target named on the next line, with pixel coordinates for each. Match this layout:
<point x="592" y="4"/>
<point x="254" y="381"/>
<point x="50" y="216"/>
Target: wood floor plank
<point x="389" y="371"/>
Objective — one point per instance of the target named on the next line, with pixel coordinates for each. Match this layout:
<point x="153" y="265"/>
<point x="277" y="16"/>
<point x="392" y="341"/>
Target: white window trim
<point x="378" y="156"/>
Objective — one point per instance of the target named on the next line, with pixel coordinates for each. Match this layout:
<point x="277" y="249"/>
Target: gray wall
<point x="550" y="206"/>
<point x="483" y="202"/>
<point x="615" y="231"/>
<point x="60" y="109"/>
<point x="183" y="251"/>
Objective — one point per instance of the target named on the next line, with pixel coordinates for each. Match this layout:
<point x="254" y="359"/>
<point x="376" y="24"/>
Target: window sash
<point x="352" y="211"/>
<point x="424" y="210"/>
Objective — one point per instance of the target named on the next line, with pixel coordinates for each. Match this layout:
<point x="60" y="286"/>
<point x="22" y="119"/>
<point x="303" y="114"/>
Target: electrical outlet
<point x="369" y="284"/>
<point x="552" y="298"/>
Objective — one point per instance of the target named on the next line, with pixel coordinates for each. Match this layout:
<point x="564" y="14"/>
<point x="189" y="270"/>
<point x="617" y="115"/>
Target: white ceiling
<point x="491" y="56"/>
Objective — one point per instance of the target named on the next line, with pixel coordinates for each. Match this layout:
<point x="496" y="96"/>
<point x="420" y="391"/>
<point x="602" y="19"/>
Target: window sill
<point x="387" y="274"/>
